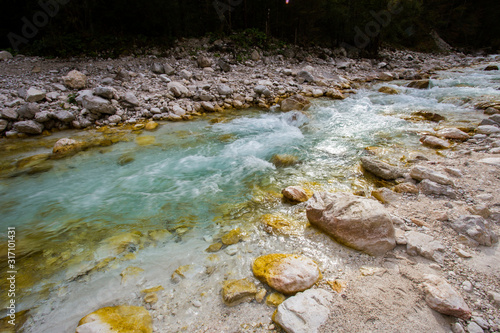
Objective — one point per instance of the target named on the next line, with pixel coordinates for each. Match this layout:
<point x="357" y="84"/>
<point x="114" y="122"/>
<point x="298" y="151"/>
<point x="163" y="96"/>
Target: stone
<point x="185" y="74"/>
<point x="284" y="160"/>
<point x="420" y="173"/>
<point x="5" y="55"/>
<point x="424" y="245"/>
<point x="491" y="68"/>
<point x="406" y="188"/>
<point x="105" y="92"/>
<point x="34" y="95"/>
<point x="235" y="292"/>
<point x="434" y="142"/>
<point x="98" y="105"/>
<point x="9" y="114"/>
<point x="178" y="89"/>
<point x="495" y="118"/>
<point x="157" y="68"/>
<point x="3" y="124"/>
<point x="232" y="237"/>
<point x="224" y="65"/>
<point x="295" y="102"/>
<point x="385" y="195"/>
<point x="457" y="328"/>
<point x="28" y="111"/>
<point x="122" y="75"/>
<point x="305" y="76"/>
<point x="42" y="117"/>
<point x="388" y="90"/>
<point x="75" y="80"/>
<point x="357" y="222"/>
<point x="255" y="56"/>
<point x="491" y="161"/>
<point x="381" y="169"/>
<point x="28" y="127"/>
<point x="419" y="84"/>
<point x="121" y="318"/>
<point x="286" y="273"/>
<point x="214" y="247"/>
<point x="66" y="147"/>
<point x="224" y="90"/>
<point x="130" y="99"/>
<point x="305" y="312"/>
<point x="490" y="111"/>
<point x="204" y="61"/>
<point x="474" y="328"/>
<point x="169" y="70"/>
<point x="115" y="119"/>
<point x="177" y="110"/>
<point x="428" y="187"/>
<point x="282" y="225"/>
<point x="430" y="116"/>
<point x="295" y="194"/>
<point x="441" y="297"/>
<point x="207" y="106"/>
<point x="494" y="298"/>
<point x="275" y="299"/>
<point x="151" y="126"/>
<point x="262" y="90"/>
<point x="488" y="129"/>
<point x="453" y="134"/>
<point x="476" y="228"/>
<point x="64" y="116"/>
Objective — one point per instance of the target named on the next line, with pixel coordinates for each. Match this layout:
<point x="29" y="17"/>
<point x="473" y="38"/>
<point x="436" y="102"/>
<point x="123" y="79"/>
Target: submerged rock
<point x="287" y="273"/>
<point x="304" y="312"/>
<point x="356" y="222"/>
<point x="491" y="68"/>
<point x="281" y="225"/>
<point x="235" y="292"/>
<point x="296" y="102"/>
<point x="66" y="147"/>
<point x="381" y="169"/>
<point x="419" y="84"/>
<point x="441" y="297"/>
<point x="114" y="319"/>
<point x="295" y="194"/>
<point x="388" y="90"/>
<point x="284" y="160"/>
<point x="232" y="237"/>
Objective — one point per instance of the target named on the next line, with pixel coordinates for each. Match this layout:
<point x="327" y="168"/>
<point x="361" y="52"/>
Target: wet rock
<point x="105" y="92"/>
<point x="235" y="292"/>
<point x="430" y="116"/>
<point x="295" y="194"/>
<point x="424" y="245"/>
<point x="429" y="187"/>
<point x="419" y="84"/>
<point x="261" y="294"/>
<point x="66" y="147"/>
<point x="97" y="105"/>
<point x="434" y="142"/>
<point x="34" y="95"/>
<point x="305" y="312"/>
<point x="5" y="55"/>
<point x="488" y="129"/>
<point x="284" y="160"/>
<point x="287" y="273"/>
<point x="453" y="134"/>
<point x="204" y="61"/>
<point x="151" y="126"/>
<point x="9" y="114"/>
<point x="28" y="127"/>
<point x="75" y="80"/>
<point x="130" y="99"/>
<point x="64" y="116"/>
<point x="441" y="297"/>
<point x="381" y="169"/>
<point x="121" y="318"/>
<point x="275" y="299"/>
<point x="28" y="111"/>
<point x="282" y="225"/>
<point x="214" y="247"/>
<point x="295" y="102"/>
<point x="476" y="228"/>
<point x="420" y="173"/>
<point x="385" y="76"/>
<point x="305" y="76"/>
<point x="388" y="90"/>
<point x="357" y="222"/>
<point x="232" y="237"/>
<point x="178" y="89"/>
<point x="491" y="68"/>
<point x="406" y="188"/>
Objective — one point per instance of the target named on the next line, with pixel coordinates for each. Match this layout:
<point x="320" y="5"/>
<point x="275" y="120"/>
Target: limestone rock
<point x="3" y="124"/>
<point x="420" y="172"/>
<point x="204" y="61"/>
<point x="178" y="89"/>
<point x="419" y="84"/>
<point x="424" y="245"/>
<point x="28" y="127"/>
<point x="130" y="99"/>
<point x="28" y="111"/>
<point x="295" y="102"/>
<point x="488" y="129"/>
<point x="474" y="328"/>
<point x="440" y="296"/>
<point x="477" y="228"/>
<point x="207" y="106"/>
<point x="385" y="195"/>
<point x="453" y="134"/>
<point x="121" y="318"/>
<point x="388" y="90"/>
<point x="64" y="116"/>
<point x="429" y="187"/>
<point x="491" y="68"/>
<point x="9" y="114"/>
<point x="287" y="273"/>
<point x="65" y="147"/>
<point x="157" y="68"/>
<point x="224" y="65"/>
<point x="151" y="126"/>
<point x="406" y="188"/>
<point x="224" y="90"/>
<point x="167" y="69"/>
<point x="75" y="80"/>
<point x="282" y="225"/>
<point x="34" y="95"/>
<point x="295" y="194"/>
<point x="185" y="74"/>
<point x="262" y="90"/>
<point x="434" y="142"/>
<point x="275" y="299"/>
<point x="357" y="222"/>
<point x="105" y="92"/>
<point x="430" y="116"/>
<point x="255" y="56"/>
<point x="305" y="76"/>
<point x="304" y="312"/>
<point x="381" y="169"/>
<point x="97" y="104"/>
<point x="238" y="291"/>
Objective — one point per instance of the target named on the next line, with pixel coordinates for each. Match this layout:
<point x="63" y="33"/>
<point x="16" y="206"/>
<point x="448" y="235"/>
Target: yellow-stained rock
<point x="31" y="161"/>
<point x="238" y="291"/>
<point x="406" y="188"/>
<point x="145" y="140"/>
<point x="296" y="194"/>
<point x="151" y="126"/>
<point x="232" y="237"/>
<point x="388" y="90"/>
<point x="178" y="274"/>
<point x="214" y="247"/>
<point x="151" y="298"/>
<point x="337" y="285"/>
<point x="281" y="225"/>
<point x="138" y="127"/>
<point x="284" y="160"/>
<point x="153" y="289"/>
<point x="287" y="273"/>
<point x="261" y="294"/>
<point x="117" y="319"/>
<point x="159" y="235"/>
<point x="118" y="244"/>
<point x="129" y="272"/>
<point x="126" y="159"/>
<point x="275" y="299"/>
<point x="66" y="147"/>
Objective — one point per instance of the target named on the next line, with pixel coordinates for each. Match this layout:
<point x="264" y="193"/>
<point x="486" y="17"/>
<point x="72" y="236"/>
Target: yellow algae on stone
<point x="151" y="298"/>
<point x="337" y="285"/>
<point x="123" y="242"/>
<point x="159" y="235"/>
<point x="145" y="140"/>
<point x="275" y="299"/>
<point x="281" y="225"/>
<point x="237" y="291"/>
<point x="138" y="127"/>
<point x="129" y="272"/>
<point x="153" y="289"/>
<point x="151" y="126"/>
<point x="232" y="237"/>
<point x="261" y="294"/>
<point x="287" y="273"/>
<point x="179" y="272"/>
<point x="66" y="147"/>
<point x="214" y="247"/>
<point x="117" y="319"/>
<point x="31" y="161"/>
<point x="284" y="160"/>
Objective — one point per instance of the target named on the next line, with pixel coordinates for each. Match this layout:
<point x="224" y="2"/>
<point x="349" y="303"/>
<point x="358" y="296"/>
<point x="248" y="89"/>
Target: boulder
<point x="357" y="222"/>
<point x="9" y="114"/>
<point x="28" y="111"/>
<point x="295" y="102"/>
<point x="157" y="68"/>
<point x="115" y="119"/>
<point x="97" y="104"/>
<point x="381" y="169"/>
<point x="151" y="126"/>
<point x="185" y="74"/>
<point x="305" y="76"/>
<point x="287" y="273"/>
<point x="66" y="147"/>
<point x="28" y="127"/>
<point x="430" y="116"/>
<point x="235" y="292"/>
<point x="178" y="89"/>
<point x="224" y="90"/>
<point x="167" y="69"/>
<point x="434" y="142"/>
<point x="476" y="228"/>
<point x="75" y="80"/>
<point x="441" y="297"/>
<point x="130" y="99"/>
<point x="305" y="312"/>
<point x="295" y="194"/>
<point x="34" y="95"/>
<point x="419" y="84"/>
<point x="105" y="92"/>
<point x="262" y="90"/>
<point x="429" y="187"/>
<point x="177" y="110"/>
<point x="453" y="134"/>
<point x="64" y="116"/>
<point x="385" y="76"/>
<point x="204" y="61"/>
<point x="207" y="106"/>
<point x="284" y="160"/>
<point x="420" y="173"/>
<point x="114" y="319"/>
<point x="388" y="90"/>
<point x="424" y="245"/>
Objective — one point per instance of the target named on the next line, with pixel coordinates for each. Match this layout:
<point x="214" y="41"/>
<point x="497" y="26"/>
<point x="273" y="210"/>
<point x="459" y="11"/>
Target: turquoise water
<point x="201" y="176"/>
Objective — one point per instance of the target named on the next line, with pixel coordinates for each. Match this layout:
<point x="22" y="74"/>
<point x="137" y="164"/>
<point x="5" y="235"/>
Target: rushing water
<point x="198" y="180"/>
